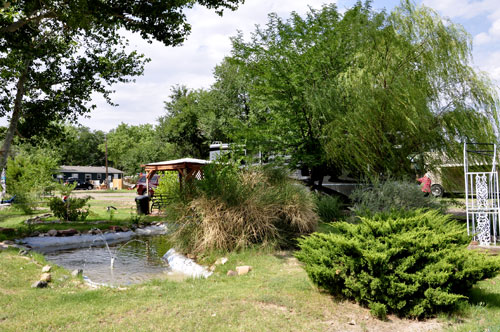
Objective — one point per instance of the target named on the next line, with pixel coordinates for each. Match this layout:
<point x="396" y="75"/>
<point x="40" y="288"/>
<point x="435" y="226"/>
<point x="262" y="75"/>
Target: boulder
<point x="77" y="272"/>
<point x="221" y="261"/>
<point x="46" y="277"/>
<point x="46" y="268"/>
<point x="242" y="270"/>
<point x="68" y="232"/>
<point x="4" y="230"/>
<point x="232" y="273"/>
<point x="39" y="284"/>
<point x="52" y="232"/>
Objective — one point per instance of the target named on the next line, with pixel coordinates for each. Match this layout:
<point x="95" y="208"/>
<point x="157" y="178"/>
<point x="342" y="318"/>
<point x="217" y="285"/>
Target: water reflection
<point x="135" y="261"/>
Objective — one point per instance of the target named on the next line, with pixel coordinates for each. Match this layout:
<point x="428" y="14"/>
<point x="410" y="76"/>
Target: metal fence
<point x="482" y="194"/>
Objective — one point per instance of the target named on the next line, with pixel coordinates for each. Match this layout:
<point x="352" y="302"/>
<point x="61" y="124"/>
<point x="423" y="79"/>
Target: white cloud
<point x="482" y="38"/>
<point x="462" y="8"/>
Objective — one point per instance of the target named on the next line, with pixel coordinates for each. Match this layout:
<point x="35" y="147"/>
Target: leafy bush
<point x="232" y="208"/>
<point x="328" y="208"/>
<point x="71" y="209"/>
<point x="28" y="175"/>
<point x="391" y="195"/>
<point x="168" y="184"/>
<point x="413" y="264"/>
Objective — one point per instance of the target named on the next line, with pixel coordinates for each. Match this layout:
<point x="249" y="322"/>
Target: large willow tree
<point x="366" y="91"/>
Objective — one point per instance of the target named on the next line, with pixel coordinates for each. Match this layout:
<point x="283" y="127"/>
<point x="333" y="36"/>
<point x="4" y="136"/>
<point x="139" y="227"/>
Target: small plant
<point x="111" y="213"/>
<point x="135" y="218"/>
<point x="391" y="195"/>
<point x="70" y="210"/>
<point x="413" y="263"/>
<point x="328" y="208"/>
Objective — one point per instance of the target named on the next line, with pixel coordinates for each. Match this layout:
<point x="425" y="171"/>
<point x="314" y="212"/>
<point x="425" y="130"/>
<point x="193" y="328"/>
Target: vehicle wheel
<point x="90" y="187"/>
<point x="437" y="190"/>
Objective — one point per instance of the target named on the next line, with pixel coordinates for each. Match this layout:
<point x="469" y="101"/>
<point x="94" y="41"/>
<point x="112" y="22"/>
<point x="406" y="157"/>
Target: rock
<point x="46" y="268"/>
<point x="212" y="268"/>
<point x="232" y="273"/>
<point x="52" y="232"/>
<point x="47" y="277"/>
<point x="77" y="272"/>
<point x="115" y="228"/>
<point x="221" y="261"/>
<point x="242" y="270"/>
<point x="35" y="234"/>
<point x="23" y="252"/>
<point x="68" y="232"/>
<point x="191" y="256"/>
<point x="39" y="284"/>
<point x="8" y="242"/>
<point x="4" y="230"/>
<point x="124" y="229"/>
<point x="352" y="322"/>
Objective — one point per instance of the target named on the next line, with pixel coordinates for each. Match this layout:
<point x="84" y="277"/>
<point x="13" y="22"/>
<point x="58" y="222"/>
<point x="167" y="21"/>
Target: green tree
<point x="54" y="55"/>
<point x="195" y="118"/>
<point x="181" y="125"/>
<point x="131" y="146"/>
<point x="29" y="174"/>
<point x="365" y="91"/>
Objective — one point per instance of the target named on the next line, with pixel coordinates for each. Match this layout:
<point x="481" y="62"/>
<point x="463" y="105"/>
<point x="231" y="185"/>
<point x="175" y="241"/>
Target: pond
<point x="135" y="261"/>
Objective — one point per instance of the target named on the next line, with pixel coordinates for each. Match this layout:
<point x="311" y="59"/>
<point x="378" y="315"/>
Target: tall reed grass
<point x="233" y="208"/>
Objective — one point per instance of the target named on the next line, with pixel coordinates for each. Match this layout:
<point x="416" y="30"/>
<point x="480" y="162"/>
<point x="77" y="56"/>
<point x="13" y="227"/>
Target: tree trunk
<point x="16" y="115"/>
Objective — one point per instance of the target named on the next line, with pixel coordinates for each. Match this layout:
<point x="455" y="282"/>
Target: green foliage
<point x="78" y="146"/>
<point x="233" y="208"/>
<point x="168" y="184"/>
<point x="378" y="310"/>
<point x="130" y="146"/>
<point x="384" y="196"/>
<point x="29" y="174"/>
<point x="328" y="208"/>
<point x="71" y="210"/>
<point x="413" y="264"/>
<point x="364" y="91"/>
<point x="62" y="54"/>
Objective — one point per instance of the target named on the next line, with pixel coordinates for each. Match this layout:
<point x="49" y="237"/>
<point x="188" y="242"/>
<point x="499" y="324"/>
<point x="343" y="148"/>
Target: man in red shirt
<point x="426" y="183"/>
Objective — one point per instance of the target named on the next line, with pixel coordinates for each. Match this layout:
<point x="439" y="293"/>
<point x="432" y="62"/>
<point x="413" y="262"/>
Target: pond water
<point x="135" y="261"/>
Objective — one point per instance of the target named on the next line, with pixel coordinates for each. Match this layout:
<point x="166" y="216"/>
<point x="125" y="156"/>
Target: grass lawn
<point x="275" y="296"/>
<point x="99" y="217"/>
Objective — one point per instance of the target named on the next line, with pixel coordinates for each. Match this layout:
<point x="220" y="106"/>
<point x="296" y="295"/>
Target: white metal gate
<point x="481" y="193"/>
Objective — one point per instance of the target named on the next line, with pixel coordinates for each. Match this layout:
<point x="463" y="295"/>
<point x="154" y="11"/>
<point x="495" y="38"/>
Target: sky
<point x="192" y="63"/>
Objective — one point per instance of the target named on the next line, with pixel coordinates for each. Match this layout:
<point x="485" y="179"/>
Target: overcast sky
<point x="192" y="63"/>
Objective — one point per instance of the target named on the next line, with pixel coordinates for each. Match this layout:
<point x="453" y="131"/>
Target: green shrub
<point x="233" y="208"/>
<point x="328" y="208"/>
<point x="73" y="209"/>
<point x="29" y="173"/>
<point x="168" y="185"/>
<point x="391" y="195"/>
<point x="413" y="263"/>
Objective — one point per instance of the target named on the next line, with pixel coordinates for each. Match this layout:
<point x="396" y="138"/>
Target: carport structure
<point x="187" y="168"/>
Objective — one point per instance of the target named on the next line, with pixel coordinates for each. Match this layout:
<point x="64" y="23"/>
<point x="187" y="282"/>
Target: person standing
<point x="426" y="183"/>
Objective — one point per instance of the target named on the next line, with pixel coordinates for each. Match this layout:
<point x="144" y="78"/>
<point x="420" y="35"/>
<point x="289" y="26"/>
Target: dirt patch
<point x="349" y="316"/>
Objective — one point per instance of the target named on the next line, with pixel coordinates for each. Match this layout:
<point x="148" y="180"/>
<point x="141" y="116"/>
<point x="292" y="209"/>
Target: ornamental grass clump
<point x="233" y="208"/>
<point x="413" y="264"/>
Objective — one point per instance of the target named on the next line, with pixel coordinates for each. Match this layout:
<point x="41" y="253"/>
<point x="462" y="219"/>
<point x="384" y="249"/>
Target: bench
<point x="159" y="202"/>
